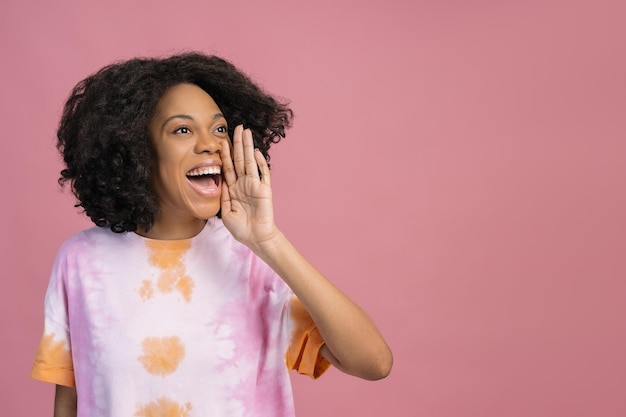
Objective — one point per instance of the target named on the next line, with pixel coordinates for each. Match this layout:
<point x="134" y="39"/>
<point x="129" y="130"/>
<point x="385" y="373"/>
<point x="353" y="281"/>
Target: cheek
<point x="165" y="175"/>
<point x="167" y="162"/>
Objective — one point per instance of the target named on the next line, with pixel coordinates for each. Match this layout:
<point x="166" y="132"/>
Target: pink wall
<point x="458" y="168"/>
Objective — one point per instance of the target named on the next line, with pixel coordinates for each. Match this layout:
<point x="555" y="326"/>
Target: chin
<point x="207" y="213"/>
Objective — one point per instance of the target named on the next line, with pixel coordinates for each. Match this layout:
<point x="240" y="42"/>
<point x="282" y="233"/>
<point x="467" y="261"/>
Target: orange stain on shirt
<point x="164" y="407"/>
<point x="161" y="355"/>
<point x="53" y="362"/>
<point x="146" y="291"/>
<point x="168" y="258"/>
<point x="185" y="287"/>
<point x="167" y="280"/>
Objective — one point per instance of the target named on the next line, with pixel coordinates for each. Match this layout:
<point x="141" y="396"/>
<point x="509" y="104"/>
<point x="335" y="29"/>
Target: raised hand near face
<point x="247" y="210"/>
<point x="351" y="341"/>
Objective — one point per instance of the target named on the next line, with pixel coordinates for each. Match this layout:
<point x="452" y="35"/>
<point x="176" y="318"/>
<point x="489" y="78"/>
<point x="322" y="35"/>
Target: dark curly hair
<point x="104" y="139"/>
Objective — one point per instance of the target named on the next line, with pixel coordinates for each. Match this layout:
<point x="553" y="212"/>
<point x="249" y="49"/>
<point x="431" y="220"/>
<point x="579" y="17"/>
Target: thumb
<point x="225" y="199"/>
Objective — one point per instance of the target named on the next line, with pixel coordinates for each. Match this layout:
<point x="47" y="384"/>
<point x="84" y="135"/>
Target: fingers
<point x="225" y="199"/>
<point x="238" y="154"/>
<point x="262" y="164"/>
<point x="244" y="159"/>
<point x="228" y="170"/>
<point x="248" y="153"/>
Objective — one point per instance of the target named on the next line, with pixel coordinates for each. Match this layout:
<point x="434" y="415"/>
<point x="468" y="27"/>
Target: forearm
<point x="65" y="402"/>
<point x="353" y="343"/>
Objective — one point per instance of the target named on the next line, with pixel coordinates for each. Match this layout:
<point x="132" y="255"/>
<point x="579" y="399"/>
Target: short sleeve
<point x="303" y="354"/>
<point x="53" y="361"/>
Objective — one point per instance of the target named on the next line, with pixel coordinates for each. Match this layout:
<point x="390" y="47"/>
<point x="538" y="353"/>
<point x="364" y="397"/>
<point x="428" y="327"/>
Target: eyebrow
<point x="188" y="117"/>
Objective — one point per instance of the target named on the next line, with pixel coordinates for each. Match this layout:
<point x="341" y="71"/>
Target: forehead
<point x="185" y="99"/>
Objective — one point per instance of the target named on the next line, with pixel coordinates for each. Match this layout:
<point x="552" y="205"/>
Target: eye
<point x="221" y="129"/>
<point x="183" y="130"/>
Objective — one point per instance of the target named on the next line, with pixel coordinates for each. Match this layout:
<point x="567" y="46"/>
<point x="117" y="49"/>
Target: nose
<point x="206" y="142"/>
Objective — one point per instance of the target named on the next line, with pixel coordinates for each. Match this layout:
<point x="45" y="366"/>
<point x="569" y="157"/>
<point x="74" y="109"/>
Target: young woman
<point x="186" y="300"/>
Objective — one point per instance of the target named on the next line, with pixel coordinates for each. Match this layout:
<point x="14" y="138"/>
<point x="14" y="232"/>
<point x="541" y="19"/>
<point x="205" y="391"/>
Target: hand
<point x="247" y="210"/>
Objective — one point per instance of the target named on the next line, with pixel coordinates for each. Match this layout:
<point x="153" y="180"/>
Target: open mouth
<point x="206" y="178"/>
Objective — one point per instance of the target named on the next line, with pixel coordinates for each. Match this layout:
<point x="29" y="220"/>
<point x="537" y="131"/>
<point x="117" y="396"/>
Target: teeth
<point x="212" y="170"/>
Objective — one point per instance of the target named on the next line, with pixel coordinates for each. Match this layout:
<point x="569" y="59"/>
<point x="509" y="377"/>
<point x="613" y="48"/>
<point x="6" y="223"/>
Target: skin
<point x="352" y="342"/>
<point x="187" y="130"/>
<point x="65" y="401"/>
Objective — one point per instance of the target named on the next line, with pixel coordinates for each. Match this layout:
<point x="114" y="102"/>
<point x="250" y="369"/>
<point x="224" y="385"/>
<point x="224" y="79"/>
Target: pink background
<point x="457" y="167"/>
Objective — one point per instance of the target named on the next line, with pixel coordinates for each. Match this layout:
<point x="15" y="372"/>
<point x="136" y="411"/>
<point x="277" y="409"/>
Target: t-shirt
<point x="195" y="327"/>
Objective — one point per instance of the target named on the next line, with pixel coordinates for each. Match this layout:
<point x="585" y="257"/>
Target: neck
<point x="173" y="229"/>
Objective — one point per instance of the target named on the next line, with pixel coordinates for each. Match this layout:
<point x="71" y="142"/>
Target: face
<point x="187" y="131"/>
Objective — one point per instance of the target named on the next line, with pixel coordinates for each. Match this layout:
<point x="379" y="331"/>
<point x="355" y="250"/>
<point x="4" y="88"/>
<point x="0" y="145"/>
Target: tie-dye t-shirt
<point x="196" y="327"/>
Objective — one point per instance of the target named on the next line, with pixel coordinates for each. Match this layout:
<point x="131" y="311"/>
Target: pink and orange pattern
<point x="185" y="328"/>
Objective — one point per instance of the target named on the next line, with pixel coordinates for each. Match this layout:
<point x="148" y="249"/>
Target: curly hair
<point x="104" y="139"/>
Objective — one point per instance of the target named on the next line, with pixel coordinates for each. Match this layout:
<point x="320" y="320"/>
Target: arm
<point x="65" y="402"/>
<point x="352" y="342"/>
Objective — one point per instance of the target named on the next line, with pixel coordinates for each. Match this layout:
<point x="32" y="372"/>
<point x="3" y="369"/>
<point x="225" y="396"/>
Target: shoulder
<point x="91" y="238"/>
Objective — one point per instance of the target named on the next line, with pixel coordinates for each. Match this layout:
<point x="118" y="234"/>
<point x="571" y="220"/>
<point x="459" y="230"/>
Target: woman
<point x="186" y="300"/>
